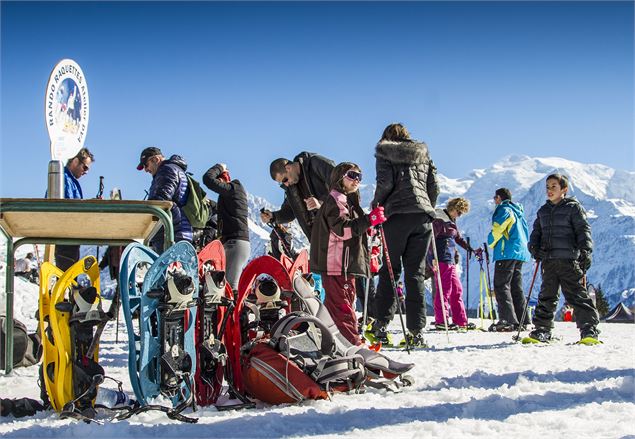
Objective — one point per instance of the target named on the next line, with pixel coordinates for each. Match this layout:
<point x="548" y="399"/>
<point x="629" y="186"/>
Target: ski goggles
<point x="353" y="175"/>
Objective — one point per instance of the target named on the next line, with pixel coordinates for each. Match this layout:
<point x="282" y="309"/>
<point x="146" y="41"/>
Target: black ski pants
<point x="408" y="239"/>
<point x="508" y="288"/>
<point x="566" y="274"/>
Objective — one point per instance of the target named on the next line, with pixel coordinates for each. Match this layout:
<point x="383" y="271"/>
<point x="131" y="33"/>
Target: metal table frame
<point x="159" y="210"/>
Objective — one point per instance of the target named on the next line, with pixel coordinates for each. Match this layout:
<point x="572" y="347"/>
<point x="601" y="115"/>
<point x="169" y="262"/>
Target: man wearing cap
<point x="169" y="183"/>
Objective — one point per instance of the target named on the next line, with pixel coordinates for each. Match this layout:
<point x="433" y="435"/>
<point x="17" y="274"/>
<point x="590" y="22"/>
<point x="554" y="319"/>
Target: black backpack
<point x="27" y="348"/>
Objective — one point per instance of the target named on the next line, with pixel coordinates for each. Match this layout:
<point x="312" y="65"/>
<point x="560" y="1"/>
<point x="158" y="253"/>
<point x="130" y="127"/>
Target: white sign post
<point x="67" y="109"/>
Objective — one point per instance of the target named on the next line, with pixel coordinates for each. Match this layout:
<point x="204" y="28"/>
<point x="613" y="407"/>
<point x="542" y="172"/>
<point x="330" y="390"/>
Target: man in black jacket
<point x="407" y="187"/>
<point x="561" y="240"/>
<point x="305" y="182"/>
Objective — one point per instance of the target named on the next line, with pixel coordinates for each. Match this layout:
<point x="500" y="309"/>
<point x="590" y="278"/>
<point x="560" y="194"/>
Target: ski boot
<point x="589" y="336"/>
<point x="538" y="335"/>
<point x="501" y="326"/>
<point x="360" y="321"/>
<point x="467" y="327"/>
<point x="441" y="326"/>
<point x="378" y="335"/>
<point x="415" y="340"/>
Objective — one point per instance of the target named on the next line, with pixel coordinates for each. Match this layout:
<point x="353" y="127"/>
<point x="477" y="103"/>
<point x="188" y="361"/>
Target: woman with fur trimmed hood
<point x="407" y="188"/>
<point x="339" y="251"/>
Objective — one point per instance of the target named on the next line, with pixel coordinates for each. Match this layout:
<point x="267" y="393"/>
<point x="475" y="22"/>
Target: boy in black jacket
<point x="561" y="240"/>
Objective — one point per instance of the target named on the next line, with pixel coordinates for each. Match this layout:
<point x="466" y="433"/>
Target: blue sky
<point x="244" y="83"/>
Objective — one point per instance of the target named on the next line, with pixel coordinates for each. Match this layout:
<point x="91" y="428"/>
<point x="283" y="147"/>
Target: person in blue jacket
<point x="76" y="167"/>
<point x="169" y="183"/>
<point x="508" y="238"/>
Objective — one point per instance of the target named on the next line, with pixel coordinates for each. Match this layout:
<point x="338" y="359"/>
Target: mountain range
<point x="607" y="195"/>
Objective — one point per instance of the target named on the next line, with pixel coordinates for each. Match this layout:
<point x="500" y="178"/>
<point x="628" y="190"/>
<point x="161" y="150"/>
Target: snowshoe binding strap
<point x="280" y="332"/>
<point x="180" y="289"/>
<point x="87" y="306"/>
<point x="215" y="287"/>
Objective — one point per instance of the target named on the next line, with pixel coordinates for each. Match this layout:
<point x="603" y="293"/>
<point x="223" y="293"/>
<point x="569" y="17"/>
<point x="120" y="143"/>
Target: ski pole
<point x="467" y="275"/>
<point x="531" y="287"/>
<point x="273" y="225"/>
<point x="488" y="289"/>
<point x="380" y="229"/>
<point x="367" y="287"/>
<point x="439" y="286"/>
<point x="481" y="284"/>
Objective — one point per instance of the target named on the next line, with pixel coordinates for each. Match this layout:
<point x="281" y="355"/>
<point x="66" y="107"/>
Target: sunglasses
<point x="85" y="167"/>
<point x="353" y="175"/>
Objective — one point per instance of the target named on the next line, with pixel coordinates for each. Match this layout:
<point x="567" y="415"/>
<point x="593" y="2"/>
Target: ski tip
<point x="589" y="341"/>
<point x="529" y="340"/>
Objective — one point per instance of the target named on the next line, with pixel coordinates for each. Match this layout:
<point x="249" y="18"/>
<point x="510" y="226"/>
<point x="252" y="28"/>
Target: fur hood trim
<point x="402" y="153"/>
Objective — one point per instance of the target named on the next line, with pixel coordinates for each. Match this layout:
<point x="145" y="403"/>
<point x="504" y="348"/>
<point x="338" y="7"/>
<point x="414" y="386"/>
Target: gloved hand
<point x="371" y="232"/>
<point x="537" y="253"/>
<point x="377" y="216"/>
<point x="585" y="260"/>
<point x="478" y="253"/>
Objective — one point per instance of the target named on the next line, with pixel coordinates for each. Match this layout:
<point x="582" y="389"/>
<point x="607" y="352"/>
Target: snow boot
<point x="378" y="333"/>
<point x="441" y="326"/>
<point x="589" y="335"/>
<point x="415" y="340"/>
<point x="501" y="326"/>
<point x="467" y="327"/>
<point x="538" y="335"/>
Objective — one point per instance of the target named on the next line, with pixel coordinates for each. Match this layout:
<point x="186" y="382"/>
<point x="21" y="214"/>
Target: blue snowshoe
<point x="165" y="357"/>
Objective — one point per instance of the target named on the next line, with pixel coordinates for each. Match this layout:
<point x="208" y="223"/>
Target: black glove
<point x="585" y="260"/>
<point x="537" y="253"/>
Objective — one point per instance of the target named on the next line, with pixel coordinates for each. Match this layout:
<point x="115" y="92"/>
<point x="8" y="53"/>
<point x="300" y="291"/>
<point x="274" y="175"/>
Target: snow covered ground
<point x="477" y="385"/>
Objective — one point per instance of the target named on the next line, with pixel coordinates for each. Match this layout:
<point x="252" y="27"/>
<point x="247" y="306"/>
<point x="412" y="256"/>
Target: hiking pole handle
<point x="100" y="192"/>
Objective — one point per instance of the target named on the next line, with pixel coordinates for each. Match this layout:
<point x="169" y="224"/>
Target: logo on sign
<point x="66" y="109"/>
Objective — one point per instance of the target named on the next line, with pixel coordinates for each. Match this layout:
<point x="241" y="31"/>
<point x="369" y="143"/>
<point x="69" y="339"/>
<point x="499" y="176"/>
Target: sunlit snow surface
<point x="477" y="385"/>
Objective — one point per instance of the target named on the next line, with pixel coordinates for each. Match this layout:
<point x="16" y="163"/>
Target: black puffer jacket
<point x="315" y="175"/>
<point x="232" y="205"/>
<point x="170" y="184"/>
<point x="406" y="178"/>
<point x="561" y="230"/>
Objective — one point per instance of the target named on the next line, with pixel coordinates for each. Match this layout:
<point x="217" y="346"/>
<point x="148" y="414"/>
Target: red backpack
<point x="298" y="362"/>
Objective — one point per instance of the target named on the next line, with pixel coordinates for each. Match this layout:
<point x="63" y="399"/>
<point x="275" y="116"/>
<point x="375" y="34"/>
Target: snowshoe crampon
<point x="215" y="304"/>
<point x="70" y="309"/>
<point x="135" y="262"/>
<point x="164" y="354"/>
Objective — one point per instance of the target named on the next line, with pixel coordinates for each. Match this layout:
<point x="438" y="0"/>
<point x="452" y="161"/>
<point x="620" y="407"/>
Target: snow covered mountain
<point x="607" y="195"/>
